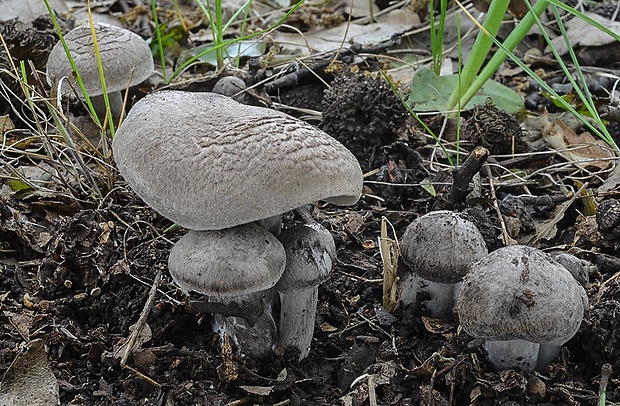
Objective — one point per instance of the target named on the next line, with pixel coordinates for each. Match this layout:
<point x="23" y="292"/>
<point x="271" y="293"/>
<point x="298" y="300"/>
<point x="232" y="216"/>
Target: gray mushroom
<point x="579" y="268"/>
<point x="231" y="86"/>
<point x="524" y="304"/>
<point x="310" y="252"/>
<point x="439" y="249"/>
<point x="238" y="266"/>
<point x="208" y="163"/>
<point x="126" y="59"/>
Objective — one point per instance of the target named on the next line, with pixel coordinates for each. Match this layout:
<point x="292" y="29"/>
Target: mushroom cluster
<point x="524" y="304"/>
<point x="214" y="166"/>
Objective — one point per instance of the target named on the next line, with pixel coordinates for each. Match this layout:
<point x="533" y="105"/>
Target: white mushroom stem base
<point x="441" y="296"/>
<point x="255" y="340"/>
<point x="510" y="354"/>
<point x="297" y="316"/>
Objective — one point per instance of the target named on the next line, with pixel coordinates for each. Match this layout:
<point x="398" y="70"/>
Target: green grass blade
<point x="480" y="49"/>
<point x="513" y="39"/>
<point x="72" y="63"/>
<point x="160" y="44"/>
<point x="196" y="57"/>
<point x="601" y="133"/>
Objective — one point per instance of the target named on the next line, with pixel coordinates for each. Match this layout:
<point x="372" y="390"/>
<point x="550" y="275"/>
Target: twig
<point x="293" y="78"/>
<point x="138" y="329"/>
<point x="372" y="395"/>
<point x="463" y="174"/>
<point x="506" y="238"/>
<point x="559" y="215"/>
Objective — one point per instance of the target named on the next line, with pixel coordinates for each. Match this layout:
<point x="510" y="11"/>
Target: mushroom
<point x="231" y="86"/>
<point x="236" y="266"/>
<point x="310" y="252"/>
<point x="439" y="248"/>
<point x="126" y="59"/>
<point x="577" y="267"/>
<point x="524" y="304"/>
<point x="207" y="162"/>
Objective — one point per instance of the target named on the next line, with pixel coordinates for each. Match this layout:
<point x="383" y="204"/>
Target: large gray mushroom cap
<point x="520" y="292"/>
<point x="227" y="263"/>
<point x="125" y="56"/>
<point x="441" y="246"/>
<point x="207" y="162"/>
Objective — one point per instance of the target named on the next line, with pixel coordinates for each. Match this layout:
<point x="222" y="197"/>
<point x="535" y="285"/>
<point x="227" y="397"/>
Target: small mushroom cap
<point x="207" y="162"/>
<point x="577" y="267"/>
<point x="520" y="292"/>
<point x="125" y="56"/>
<point x="310" y="252"/>
<point x="227" y="263"/>
<point x="441" y="246"/>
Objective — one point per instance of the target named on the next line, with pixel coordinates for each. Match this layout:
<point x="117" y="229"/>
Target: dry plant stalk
<point x="389" y="250"/>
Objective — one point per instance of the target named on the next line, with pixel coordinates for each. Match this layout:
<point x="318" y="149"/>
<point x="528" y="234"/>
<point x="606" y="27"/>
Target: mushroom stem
<point x="272" y="224"/>
<point x="439" y="297"/>
<point x="297" y="316"/>
<point x="255" y="339"/>
<point x="512" y="354"/>
<point x="116" y="105"/>
<point x="546" y="354"/>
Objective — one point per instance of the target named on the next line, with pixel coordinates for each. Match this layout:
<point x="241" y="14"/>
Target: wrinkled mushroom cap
<point x="310" y="252"/>
<point x="207" y="162"/>
<point x="441" y="246"/>
<point x="227" y="263"/>
<point x="520" y="292"/>
<point x="125" y="56"/>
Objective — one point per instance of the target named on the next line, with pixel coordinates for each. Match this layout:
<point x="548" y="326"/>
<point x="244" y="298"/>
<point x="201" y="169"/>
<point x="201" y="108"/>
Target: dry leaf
<point x="29" y="381"/>
<point x="6" y="124"/>
<point x="257" y="390"/>
<point x="584" y="150"/>
<point x="437" y="326"/>
<point x="581" y="33"/>
<point x="328" y="39"/>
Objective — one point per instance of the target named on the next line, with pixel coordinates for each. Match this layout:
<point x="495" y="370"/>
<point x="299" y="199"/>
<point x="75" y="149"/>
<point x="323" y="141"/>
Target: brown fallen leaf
<point x="584" y="150"/>
<point x="29" y="381"/>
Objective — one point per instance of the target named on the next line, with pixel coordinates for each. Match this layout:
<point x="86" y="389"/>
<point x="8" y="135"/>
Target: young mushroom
<point x="125" y="57"/>
<point x="236" y="267"/>
<point x="524" y="304"/>
<point x="310" y="252"/>
<point x="439" y="248"/>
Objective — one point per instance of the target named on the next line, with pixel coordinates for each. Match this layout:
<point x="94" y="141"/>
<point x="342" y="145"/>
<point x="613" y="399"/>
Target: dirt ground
<point x="77" y="271"/>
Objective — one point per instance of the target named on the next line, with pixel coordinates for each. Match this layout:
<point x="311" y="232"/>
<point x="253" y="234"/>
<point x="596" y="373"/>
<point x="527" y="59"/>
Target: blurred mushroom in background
<point x="125" y="57"/>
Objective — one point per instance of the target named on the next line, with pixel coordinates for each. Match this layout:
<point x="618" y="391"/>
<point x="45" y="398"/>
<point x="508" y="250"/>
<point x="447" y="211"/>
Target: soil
<point x="77" y="272"/>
